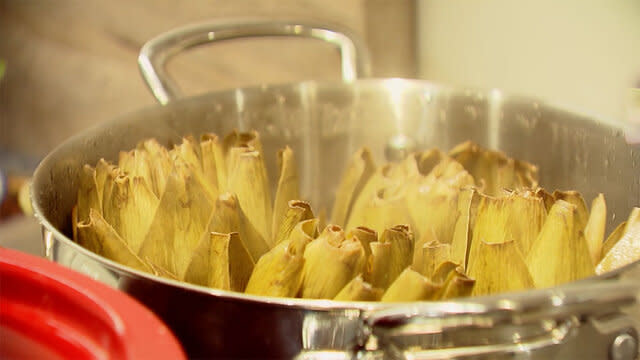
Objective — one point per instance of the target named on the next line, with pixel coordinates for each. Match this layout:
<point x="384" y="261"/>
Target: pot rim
<point x="464" y="305"/>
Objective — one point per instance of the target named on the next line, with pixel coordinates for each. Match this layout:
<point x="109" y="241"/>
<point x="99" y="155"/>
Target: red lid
<point x="50" y="312"/>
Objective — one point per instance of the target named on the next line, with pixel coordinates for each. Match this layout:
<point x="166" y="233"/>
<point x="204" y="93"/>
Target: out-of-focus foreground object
<point x="48" y="311"/>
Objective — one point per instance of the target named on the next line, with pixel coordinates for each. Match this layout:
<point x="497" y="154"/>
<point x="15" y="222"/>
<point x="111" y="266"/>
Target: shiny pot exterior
<point x="324" y="123"/>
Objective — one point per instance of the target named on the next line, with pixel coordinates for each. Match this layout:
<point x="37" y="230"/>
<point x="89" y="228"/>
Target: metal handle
<point x="155" y="53"/>
<point x="572" y="314"/>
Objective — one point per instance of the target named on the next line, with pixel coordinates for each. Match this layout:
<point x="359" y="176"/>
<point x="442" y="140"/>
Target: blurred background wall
<point x="72" y="63"/>
<point x="580" y="53"/>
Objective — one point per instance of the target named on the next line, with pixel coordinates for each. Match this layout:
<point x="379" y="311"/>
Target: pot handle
<point x="155" y="53"/>
<point x="590" y="317"/>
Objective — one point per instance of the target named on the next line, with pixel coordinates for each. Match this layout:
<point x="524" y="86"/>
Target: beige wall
<point x="584" y="53"/>
<point x="72" y="63"/>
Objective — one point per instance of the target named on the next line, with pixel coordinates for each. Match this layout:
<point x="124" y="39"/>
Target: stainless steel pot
<point x="324" y="123"/>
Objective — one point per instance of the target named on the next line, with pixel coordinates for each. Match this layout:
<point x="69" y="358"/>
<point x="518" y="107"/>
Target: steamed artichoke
<point x="433" y="226"/>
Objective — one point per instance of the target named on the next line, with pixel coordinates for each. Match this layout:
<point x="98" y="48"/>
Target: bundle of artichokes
<point x="433" y="226"/>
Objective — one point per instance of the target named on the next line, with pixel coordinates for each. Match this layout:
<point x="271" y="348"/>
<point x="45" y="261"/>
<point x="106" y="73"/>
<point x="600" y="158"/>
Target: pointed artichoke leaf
<point x="387" y="209"/>
<point x="96" y="235"/>
<point x="130" y="209"/>
<point x="366" y="236"/>
<point x="613" y="238"/>
<point x="227" y="217"/>
<point x="402" y="244"/>
<point x="391" y="255"/>
<point x="136" y="163"/>
<point x="380" y="179"/>
<point x="575" y="198"/>
<point x="495" y="169"/>
<point x="468" y="200"/>
<point x="88" y="194"/>
<point x="237" y="138"/>
<point x="359" y="170"/>
<point x="427" y="160"/>
<point x="594" y="231"/>
<point x="456" y="285"/>
<point x="359" y="290"/>
<point x="433" y="254"/>
<point x="160" y="164"/>
<point x="627" y="249"/>
<point x="379" y="264"/>
<point x="560" y="254"/>
<point x="526" y="216"/>
<point x="103" y="169"/>
<point x="221" y="262"/>
<point x="213" y="165"/>
<point x="405" y="170"/>
<point x="113" y="178"/>
<point x="189" y="152"/>
<point x="296" y="212"/>
<point x="182" y="216"/>
<point x="279" y="272"/>
<point x="517" y="216"/>
<point x="434" y="210"/>
<point x="442" y="271"/>
<point x="497" y="268"/>
<point x="248" y="180"/>
<point x="331" y="261"/>
<point x="410" y="285"/>
<point x="287" y="189"/>
<point x="546" y="197"/>
<point x="433" y="204"/>
<point x="450" y="172"/>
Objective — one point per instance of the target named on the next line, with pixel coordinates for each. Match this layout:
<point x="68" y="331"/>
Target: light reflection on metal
<point x="494" y="118"/>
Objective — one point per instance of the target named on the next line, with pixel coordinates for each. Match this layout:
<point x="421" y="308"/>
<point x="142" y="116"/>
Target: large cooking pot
<point x="324" y="123"/>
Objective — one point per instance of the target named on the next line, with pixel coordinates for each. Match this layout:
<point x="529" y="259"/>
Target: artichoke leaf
<point x="213" y="162"/>
<point x="287" y="189"/>
<point x="96" y="235"/>
<point x="182" y="216"/>
<point x="468" y="201"/>
<point x="456" y="285"/>
<point x="575" y="198"/>
<point x="387" y="209"/>
<point x="88" y="194"/>
<point x="279" y="272"/>
<point x="627" y="249"/>
<point x="130" y="209"/>
<point x="499" y="267"/>
<point x="595" y="228"/>
<point x="560" y="253"/>
<point x="359" y="290"/>
<point x="358" y="172"/>
<point x="331" y="261"/>
<point x="248" y="180"/>
<point x="433" y="254"/>
<point x="227" y="217"/>
<point x="220" y="261"/>
<point x="296" y="212"/>
<point x="410" y="285"/>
